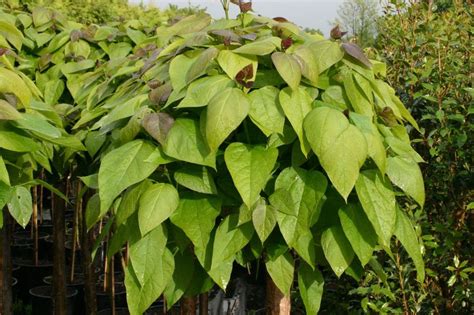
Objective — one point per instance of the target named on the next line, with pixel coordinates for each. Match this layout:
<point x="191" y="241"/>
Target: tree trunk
<point x="188" y="306"/>
<point x="59" y="255"/>
<point x="6" y="302"/>
<point x="89" y="274"/>
<point x="204" y="304"/>
<point x="277" y="302"/>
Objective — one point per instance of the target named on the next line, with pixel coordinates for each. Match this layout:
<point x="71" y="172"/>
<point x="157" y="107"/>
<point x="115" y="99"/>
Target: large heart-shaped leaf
<point x="123" y="167"/>
<point x="265" y="110"/>
<point x="288" y="68"/>
<point x="340" y="146"/>
<point x="156" y="205"/>
<point x="185" y="143"/>
<point x="359" y="232"/>
<point x="297" y="104"/>
<point x="225" y="113"/>
<point x="406" y="174"/>
<point x="378" y="200"/>
<point x="337" y="249"/>
<point x="250" y="168"/>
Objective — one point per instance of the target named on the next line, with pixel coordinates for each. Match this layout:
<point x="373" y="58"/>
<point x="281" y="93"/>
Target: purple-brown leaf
<point x="355" y="51"/>
<point x="158" y="125"/>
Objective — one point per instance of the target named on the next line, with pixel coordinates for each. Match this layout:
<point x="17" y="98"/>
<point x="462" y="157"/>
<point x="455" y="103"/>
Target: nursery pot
<point x="103" y="301"/>
<point x="31" y="276"/>
<point x="118" y="311"/>
<point x="78" y="284"/>
<point x="42" y="303"/>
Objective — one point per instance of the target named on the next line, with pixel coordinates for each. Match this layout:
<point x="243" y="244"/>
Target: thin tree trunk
<point x="204" y="304"/>
<point x="277" y="302"/>
<point x="59" y="255"/>
<point x="89" y="273"/>
<point x="6" y="302"/>
<point x="188" y="306"/>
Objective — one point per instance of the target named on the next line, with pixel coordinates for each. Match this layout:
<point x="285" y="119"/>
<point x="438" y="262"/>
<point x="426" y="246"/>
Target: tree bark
<point x="89" y="274"/>
<point x="277" y="302"/>
<point x="188" y="306"/>
<point x="6" y="302"/>
<point x="204" y="304"/>
<point x="59" y="254"/>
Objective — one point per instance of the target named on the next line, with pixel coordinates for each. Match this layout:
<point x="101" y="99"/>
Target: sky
<point x="305" y="13"/>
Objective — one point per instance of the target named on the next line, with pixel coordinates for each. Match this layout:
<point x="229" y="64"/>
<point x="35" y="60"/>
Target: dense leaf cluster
<point x="210" y="143"/>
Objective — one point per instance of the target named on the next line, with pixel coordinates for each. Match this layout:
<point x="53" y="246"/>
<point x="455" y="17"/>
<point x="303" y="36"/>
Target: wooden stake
<point x="59" y="255"/>
<point x="35" y="224"/>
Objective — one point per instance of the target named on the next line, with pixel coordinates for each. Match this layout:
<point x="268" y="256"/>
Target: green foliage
<point x="427" y="46"/>
<point x="167" y="128"/>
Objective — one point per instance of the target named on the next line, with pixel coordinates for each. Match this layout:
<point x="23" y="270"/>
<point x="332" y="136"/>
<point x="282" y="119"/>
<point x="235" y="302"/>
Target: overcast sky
<point x="306" y="13"/>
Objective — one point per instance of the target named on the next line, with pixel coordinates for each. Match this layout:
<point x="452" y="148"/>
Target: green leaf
<point x="143" y="253"/>
<point x="311" y="285"/>
<point x="250" y="168"/>
<point x="305" y="191"/>
<point x="266" y="111"/>
<point x="225" y="113"/>
<point x="123" y="167"/>
<point x="156" y="205"/>
<point x="375" y="146"/>
<point x="358" y="231"/>
<point x="406" y="234"/>
<point x="140" y="297"/>
<point x="288" y="68"/>
<point x="53" y="91"/>
<point x="5" y="195"/>
<point x="201" y="91"/>
<point x="130" y="202"/>
<point x="12" y="141"/>
<point x="38" y="125"/>
<point x="10" y="82"/>
<point x="185" y="143"/>
<point x="337" y="249"/>
<point x="406" y="174"/>
<point x="378" y="200"/>
<point x="229" y="239"/>
<point x="20" y="205"/>
<point x="189" y="24"/>
<point x="197" y="178"/>
<point x="233" y="63"/>
<point x="196" y="216"/>
<point x="200" y="65"/>
<point x="8" y="112"/>
<point x="264" y="219"/>
<point x="298" y="199"/>
<point x="340" y="146"/>
<point x="308" y="63"/>
<point x="182" y="277"/>
<point x="92" y="211"/>
<point x="12" y="34"/>
<point x="327" y="53"/>
<point x="297" y="104"/>
<point x="360" y="104"/>
<point x="260" y="47"/>
<point x="4" y="177"/>
<point x="281" y="270"/>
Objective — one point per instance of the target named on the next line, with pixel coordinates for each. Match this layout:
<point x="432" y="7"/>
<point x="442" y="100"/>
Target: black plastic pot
<point x="103" y="301"/>
<point x="31" y="276"/>
<point x="77" y="284"/>
<point x="14" y="288"/>
<point x="118" y="311"/>
<point x="42" y="303"/>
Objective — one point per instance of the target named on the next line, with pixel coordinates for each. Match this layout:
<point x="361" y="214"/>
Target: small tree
<point x="359" y="17"/>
